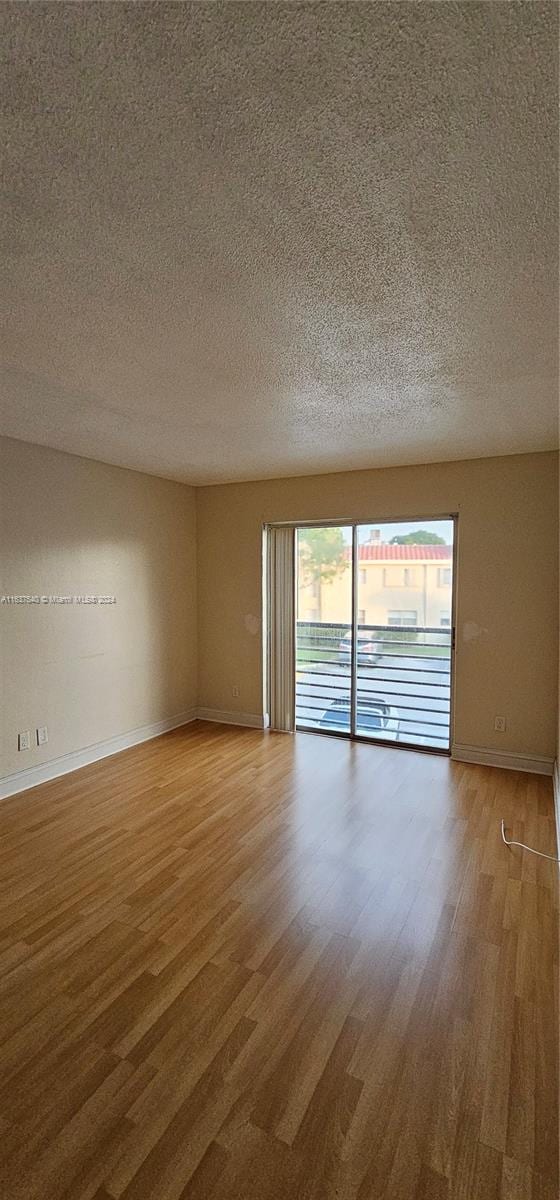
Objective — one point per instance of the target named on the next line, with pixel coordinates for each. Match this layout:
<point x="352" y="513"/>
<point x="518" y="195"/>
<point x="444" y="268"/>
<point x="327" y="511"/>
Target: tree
<point x="322" y="557"/>
<point x="420" y="537"/>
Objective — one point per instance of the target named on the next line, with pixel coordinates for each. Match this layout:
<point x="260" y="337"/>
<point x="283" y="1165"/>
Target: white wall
<point x="72" y="526"/>
<point x="90" y="672"/>
<point x="507" y="575"/>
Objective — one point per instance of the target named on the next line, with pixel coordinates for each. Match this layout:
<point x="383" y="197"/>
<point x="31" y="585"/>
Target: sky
<point x="395" y="529"/>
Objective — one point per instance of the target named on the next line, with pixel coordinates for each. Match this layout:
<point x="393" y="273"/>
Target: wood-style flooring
<point x="248" y="966"/>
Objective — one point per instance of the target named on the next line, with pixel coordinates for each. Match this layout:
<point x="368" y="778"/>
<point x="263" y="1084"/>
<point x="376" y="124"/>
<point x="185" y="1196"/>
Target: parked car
<point x="369" y="651"/>
<point x="374" y="717"/>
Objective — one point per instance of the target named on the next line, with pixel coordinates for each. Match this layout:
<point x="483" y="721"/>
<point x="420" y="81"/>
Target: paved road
<point x="403" y="682"/>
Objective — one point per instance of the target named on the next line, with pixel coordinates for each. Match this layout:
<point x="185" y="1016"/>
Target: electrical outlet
<point x="235" y="691"/>
<point x="24" y="740"/>
<point x="42" y="735"/>
<point x="500" y="724"/>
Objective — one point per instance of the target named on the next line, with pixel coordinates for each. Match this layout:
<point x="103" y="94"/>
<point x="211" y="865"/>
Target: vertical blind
<point x="281" y="627"/>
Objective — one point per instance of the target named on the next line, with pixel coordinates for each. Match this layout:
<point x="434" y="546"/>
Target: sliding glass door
<point x="374" y="631"/>
<point x="324" y="628"/>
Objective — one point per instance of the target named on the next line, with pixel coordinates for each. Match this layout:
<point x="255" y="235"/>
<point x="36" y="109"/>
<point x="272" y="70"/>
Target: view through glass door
<point x="374" y="631"/>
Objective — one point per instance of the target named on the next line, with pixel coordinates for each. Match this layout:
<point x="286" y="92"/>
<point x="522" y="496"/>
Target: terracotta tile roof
<point x="378" y="552"/>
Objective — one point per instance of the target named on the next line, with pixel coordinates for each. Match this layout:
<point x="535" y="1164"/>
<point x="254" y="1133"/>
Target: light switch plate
<point x="42" y="735"/>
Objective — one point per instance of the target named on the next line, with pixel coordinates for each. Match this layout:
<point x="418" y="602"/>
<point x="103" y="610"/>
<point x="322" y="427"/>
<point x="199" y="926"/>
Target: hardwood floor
<point x="240" y="966"/>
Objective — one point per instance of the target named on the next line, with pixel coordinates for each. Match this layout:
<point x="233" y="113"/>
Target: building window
<point x="407" y="577"/>
<point x="445" y="622"/>
<point x="444" y="577"/>
<point x="402" y="618"/>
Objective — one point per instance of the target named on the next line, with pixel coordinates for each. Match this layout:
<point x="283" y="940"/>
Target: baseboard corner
<point x="219" y="716"/>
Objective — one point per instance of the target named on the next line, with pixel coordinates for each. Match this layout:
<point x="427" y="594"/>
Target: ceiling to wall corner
<point x="243" y="240"/>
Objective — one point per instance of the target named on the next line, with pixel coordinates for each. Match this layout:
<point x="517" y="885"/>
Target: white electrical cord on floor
<point x="524" y="847"/>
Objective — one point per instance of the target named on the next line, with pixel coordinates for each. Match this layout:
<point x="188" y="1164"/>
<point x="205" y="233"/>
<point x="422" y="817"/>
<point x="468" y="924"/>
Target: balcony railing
<point x="403" y="681"/>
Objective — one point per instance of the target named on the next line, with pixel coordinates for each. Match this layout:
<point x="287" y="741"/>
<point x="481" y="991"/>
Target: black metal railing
<point x="403" y="681"/>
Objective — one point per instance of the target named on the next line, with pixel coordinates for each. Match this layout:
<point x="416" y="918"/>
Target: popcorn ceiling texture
<point x="245" y="240"/>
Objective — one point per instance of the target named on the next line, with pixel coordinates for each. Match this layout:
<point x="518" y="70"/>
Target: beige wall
<point x="72" y="526"/>
<point x="507" y="657"/>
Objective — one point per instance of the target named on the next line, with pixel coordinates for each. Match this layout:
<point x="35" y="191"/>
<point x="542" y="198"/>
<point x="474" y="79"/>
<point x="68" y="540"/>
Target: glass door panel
<point x="324" y="628"/>
<point x="404" y="632"/>
<point x="374" y="631"/>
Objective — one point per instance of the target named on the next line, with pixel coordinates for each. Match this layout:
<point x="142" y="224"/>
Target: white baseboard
<point x="32" y="776"/>
<point x="556" y="786"/>
<point x="511" y="761"/>
<point x="252" y="720"/>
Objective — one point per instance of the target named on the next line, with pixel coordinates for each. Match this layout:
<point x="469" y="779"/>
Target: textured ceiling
<point x="244" y="240"/>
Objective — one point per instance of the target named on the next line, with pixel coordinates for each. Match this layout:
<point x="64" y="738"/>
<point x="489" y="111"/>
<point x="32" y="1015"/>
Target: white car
<point x="374" y="717"/>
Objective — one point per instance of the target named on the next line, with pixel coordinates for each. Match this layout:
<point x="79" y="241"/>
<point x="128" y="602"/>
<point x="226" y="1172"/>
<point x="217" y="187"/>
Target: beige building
<point x="397" y="585"/>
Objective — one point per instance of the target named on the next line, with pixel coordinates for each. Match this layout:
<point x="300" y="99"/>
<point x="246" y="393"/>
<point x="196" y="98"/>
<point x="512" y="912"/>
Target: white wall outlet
<point x="42" y="735"/>
<point x="235" y="691"/>
<point x="24" y="740"/>
<point x="500" y="724"/>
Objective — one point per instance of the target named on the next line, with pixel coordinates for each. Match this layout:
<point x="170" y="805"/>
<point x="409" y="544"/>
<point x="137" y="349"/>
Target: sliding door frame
<point x="353" y="525"/>
<point x="354" y="638"/>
